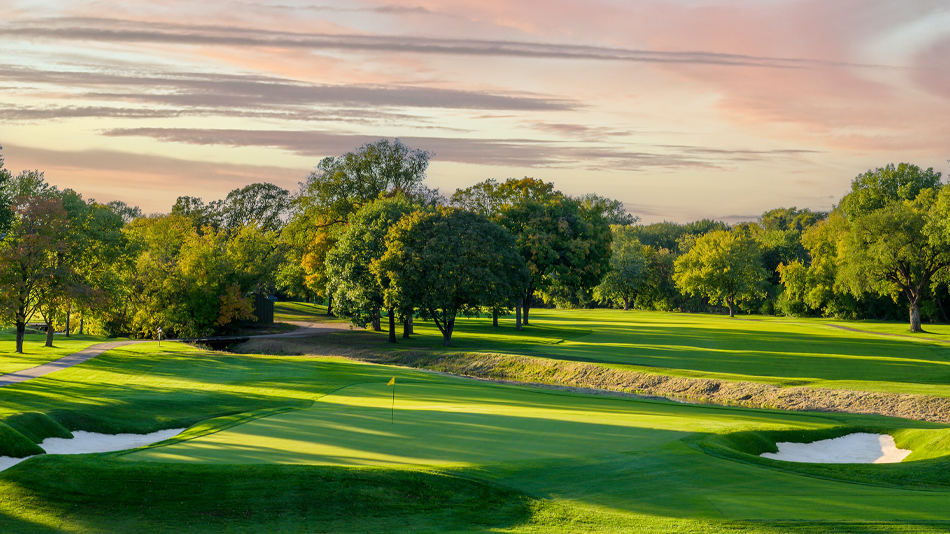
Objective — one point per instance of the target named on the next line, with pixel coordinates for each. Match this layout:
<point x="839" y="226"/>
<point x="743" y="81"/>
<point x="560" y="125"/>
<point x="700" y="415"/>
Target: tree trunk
<point x="494" y="317"/>
<point x="732" y="312"/>
<point x="376" y="325"/>
<point x="518" y="315"/>
<point x="626" y="303"/>
<point x="527" y="307"/>
<point x="447" y="333"/>
<point x="392" y="326"/>
<point x="915" y="316"/>
<point x="82" y="319"/>
<point x="407" y="327"/>
<point x="330" y="305"/>
<point x="20" y="332"/>
<point x="67" y="321"/>
<point x="49" y="332"/>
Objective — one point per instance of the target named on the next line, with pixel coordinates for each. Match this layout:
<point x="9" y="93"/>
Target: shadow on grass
<point x="115" y="496"/>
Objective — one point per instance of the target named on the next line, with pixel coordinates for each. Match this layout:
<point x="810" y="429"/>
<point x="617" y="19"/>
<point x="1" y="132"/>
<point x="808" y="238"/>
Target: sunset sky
<point x="682" y="109"/>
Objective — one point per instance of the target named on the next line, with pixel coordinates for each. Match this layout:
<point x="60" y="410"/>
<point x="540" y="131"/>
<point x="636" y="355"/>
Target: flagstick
<point x="392" y="413"/>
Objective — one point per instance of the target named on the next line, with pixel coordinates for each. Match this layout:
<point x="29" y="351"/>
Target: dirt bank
<point x="750" y="394"/>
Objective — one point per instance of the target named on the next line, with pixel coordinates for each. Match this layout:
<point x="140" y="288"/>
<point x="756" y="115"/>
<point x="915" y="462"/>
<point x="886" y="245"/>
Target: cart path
<point x="305" y="330"/>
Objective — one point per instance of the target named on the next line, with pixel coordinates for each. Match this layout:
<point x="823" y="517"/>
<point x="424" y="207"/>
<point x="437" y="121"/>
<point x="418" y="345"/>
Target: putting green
<point x="458" y="422"/>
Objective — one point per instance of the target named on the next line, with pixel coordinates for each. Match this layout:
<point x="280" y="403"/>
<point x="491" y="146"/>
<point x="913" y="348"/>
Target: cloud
<point x="499" y="152"/>
<point x="121" y="31"/>
<point x="150" y="181"/>
<point x="250" y="91"/>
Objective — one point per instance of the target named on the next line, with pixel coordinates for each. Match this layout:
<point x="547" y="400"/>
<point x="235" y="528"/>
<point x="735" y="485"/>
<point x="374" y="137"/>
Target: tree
<point x="876" y="189"/>
<point x="889" y="252"/>
<point x="446" y="262"/>
<point x="124" y="211"/>
<point x="201" y="215"/>
<point x="192" y="284"/>
<point x="28" y="257"/>
<point x="628" y="268"/>
<point x="893" y="244"/>
<point x="725" y="267"/>
<point x="564" y="241"/>
<point x="263" y="205"/>
<point x="358" y="291"/>
<point x="341" y="185"/>
<point x="563" y="244"/>
<point x="336" y="190"/>
<point x="6" y="200"/>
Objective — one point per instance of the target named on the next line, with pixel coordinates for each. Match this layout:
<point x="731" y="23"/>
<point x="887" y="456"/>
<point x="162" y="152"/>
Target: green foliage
<point x="876" y="189"/>
<point x="448" y="262"/>
<point x="893" y="244"/>
<point x="192" y="284"/>
<point x="725" y="267"/>
<point x="490" y="198"/>
<point x="355" y="287"/>
<point x="29" y="259"/>
<point x="628" y="268"/>
<point x="6" y="199"/>
<point x="341" y="185"/>
<point x="563" y="243"/>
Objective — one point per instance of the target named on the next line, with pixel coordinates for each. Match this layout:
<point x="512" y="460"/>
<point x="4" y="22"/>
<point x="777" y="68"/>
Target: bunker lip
<point x="856" y="448"/>
<point x="90" y="442"/>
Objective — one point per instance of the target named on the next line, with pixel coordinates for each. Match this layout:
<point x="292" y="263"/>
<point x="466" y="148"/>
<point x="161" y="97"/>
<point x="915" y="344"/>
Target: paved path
<point x="305" y="330"/>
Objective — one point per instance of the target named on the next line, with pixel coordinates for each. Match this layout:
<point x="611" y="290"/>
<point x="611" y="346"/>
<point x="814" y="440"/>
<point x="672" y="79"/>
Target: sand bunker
<point x="86" y="442"/>
<point x="859" y="448"/>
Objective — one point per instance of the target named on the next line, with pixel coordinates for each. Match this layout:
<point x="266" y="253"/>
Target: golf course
<point x="316" y="437"/>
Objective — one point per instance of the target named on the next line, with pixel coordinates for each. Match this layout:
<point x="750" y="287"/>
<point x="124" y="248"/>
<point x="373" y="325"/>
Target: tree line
<point x="366" y="236"/>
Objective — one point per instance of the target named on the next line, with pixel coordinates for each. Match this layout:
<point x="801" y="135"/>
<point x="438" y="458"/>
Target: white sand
<point x="86" y="442"/>
<point x="860" y="448"/>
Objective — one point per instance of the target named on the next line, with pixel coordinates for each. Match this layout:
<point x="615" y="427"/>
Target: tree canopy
<point x="356" y="288"/>
<point x="724" y="267"/>
<point x="448" y="262"/>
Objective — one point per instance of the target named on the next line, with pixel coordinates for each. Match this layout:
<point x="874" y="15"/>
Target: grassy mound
<point x="36" y="426"/>
<point x="15" y="444"/>
<point x="114" y="496"/>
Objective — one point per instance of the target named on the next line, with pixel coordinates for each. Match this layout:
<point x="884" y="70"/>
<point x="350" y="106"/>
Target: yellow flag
<point x="392" y="382"/>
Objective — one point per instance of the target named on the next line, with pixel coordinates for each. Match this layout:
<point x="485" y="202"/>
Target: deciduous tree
<point x="725" y="267"/>
<point x="628" y="268"/>
<point x="448" y="262"/>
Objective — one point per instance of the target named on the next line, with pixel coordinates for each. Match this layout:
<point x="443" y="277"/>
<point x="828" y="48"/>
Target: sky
<point x="682" y="109"/>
